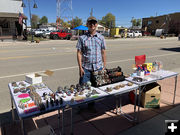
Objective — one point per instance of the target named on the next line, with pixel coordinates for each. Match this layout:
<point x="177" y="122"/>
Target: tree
<point x="136" y="22"/>
<point x="35" y="21"/>
<point x="43" y="20"/>
<point x="108" y="20"/>
<point x="66" y="25"/>
<point x="75" y="22"/>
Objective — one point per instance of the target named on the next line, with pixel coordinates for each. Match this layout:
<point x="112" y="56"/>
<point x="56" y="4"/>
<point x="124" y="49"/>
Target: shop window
<point x="149" y="22"/>
<point x="5" y="24"/>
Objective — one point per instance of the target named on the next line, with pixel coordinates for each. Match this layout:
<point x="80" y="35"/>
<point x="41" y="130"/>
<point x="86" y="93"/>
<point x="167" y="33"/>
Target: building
<point x="103" y="30"/>
<point x="170" y="23"/>
<point x="9" y="18"/>
<point x="49" y="27"/>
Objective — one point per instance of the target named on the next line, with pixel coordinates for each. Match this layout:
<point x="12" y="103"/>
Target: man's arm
<point x="79" y="60"/>
<point x="103" y="53"/>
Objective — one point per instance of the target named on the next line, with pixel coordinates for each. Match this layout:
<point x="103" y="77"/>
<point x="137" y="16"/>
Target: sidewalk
<point x="105" y="121"/>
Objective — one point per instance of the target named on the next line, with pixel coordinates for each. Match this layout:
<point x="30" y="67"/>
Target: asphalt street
<point x="20" y="58"/>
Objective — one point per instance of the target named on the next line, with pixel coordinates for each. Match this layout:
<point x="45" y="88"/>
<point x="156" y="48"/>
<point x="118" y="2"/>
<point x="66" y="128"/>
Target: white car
<point x="134" y="34"/>
<point x="38" y="32"/>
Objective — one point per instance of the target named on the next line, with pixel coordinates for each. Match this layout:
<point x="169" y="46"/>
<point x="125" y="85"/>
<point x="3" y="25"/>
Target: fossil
<point x="81" y="93"/>
<point x="22" y="84"/>
<point x="109" y="89"/>
<point x="14" y="84"/>
<point x="117" y="87"/>
<point x="94" y="92"/>
<point x="122" y="85"/>
<point x="88" y="95"/>
<point x="16" y="90"/>
<point x="129" y="84"/>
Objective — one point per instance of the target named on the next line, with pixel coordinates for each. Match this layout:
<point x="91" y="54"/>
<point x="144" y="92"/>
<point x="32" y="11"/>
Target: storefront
<point x="9" y="25"/>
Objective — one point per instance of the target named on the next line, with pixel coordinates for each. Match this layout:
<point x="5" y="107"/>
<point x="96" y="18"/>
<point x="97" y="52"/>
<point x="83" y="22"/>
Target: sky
<point x="123" y="10"/>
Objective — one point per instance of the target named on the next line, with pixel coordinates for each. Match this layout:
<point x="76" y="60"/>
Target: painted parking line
<point x="74" y="67"/>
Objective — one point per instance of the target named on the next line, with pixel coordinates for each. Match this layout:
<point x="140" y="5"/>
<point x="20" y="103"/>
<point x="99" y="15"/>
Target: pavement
<point x="105" y="121"/>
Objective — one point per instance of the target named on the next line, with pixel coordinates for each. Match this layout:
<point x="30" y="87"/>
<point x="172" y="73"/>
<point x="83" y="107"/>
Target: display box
<point x="150" y="97"/>
<point x="33" y="78"/>
<point x="148" y="66"/>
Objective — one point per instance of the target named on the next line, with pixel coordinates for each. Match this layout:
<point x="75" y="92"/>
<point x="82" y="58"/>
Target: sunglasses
<point x="92" y="22"/>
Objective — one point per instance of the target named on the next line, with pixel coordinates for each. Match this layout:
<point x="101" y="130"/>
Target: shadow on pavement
<point x="104" y="122"/>
<point x="177" y="49"/>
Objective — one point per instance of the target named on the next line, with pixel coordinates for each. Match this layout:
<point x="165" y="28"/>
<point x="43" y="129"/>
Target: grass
<point x="37" y="38"/>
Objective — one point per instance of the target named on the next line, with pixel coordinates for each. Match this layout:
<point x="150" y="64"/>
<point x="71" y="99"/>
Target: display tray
<point x="161" y="74"/>
<point x="153" y="77"/>
<point x="123" y="88"/>
<point x="74" y="100"/>
<point x="25" y="104"/>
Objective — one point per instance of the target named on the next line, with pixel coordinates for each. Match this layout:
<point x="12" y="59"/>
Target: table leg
<point x="120" y="103"/>
<point x="62" y="132"/>
<point x="12" y="106"/>
<point x="117" y="105"/>
<point x="59" y="121"/>
<point x="72" y="121"/>
<point x="135" y="115"/>
<point x="139" y="99"/>
<point x="175" y="90"/>
<point x="22" y="126"/>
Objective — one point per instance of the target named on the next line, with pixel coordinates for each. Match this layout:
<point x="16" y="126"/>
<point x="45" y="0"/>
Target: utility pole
<point x="91" y="14"/>
<point x="64" y="10"/>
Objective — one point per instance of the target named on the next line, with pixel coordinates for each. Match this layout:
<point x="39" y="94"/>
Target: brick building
<point x="170" y="23"/>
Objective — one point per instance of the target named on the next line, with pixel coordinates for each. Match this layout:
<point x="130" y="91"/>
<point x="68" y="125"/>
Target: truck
<point x="61" y="34"/>
<point x="134" y="34"/>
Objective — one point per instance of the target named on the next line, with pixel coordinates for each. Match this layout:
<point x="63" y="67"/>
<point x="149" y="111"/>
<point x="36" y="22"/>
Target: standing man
<point x="91" y="54"/>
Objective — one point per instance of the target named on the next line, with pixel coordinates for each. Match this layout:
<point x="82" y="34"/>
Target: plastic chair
<point x="139" y="60"/>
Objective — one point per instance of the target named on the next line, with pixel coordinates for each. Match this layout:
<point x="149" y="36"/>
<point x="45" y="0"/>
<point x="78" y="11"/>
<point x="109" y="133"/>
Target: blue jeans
<point x="87" y="76"/>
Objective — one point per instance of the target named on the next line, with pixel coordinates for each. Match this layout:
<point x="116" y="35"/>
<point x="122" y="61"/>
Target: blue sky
<point x="123" y="10"/>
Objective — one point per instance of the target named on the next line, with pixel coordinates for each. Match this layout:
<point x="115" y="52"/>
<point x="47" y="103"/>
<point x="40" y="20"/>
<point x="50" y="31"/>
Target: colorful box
<point x="148" y="66"/>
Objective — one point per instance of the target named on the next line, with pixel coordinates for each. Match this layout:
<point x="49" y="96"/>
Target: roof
<point x="161" y="15"/>
<point x="11" y="15"/>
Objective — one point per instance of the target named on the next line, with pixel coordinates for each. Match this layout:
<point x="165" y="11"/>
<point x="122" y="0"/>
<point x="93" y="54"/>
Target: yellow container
<point x="148" y="66"/>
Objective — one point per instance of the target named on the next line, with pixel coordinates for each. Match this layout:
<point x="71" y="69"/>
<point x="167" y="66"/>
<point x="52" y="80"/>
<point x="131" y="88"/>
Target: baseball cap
<point x="91" y="18"/>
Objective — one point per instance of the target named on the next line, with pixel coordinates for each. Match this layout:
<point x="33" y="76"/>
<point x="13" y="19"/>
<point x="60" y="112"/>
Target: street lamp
<point x="35" y="6"/>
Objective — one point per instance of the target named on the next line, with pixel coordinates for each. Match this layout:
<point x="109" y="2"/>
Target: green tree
<point x="108" y="20"/>
<point x="66" y="25"/>
<point x="75" y="22"/>
<point x="136" y="22"/>
<point x="43" y="20"/>
<point x="35" y="21"/>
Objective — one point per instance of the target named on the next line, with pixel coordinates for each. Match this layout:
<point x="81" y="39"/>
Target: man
<point x="91" y="54"/>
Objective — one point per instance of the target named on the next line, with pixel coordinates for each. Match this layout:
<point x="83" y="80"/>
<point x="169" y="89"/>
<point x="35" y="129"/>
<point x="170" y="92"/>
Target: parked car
<point x="46" y="34"/>
<point x="134" y="34"/>
<point x="38" y="33"/>
<point x="61" y="34"/>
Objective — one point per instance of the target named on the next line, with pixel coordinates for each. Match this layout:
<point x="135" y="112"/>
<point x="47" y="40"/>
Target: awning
<point x="11" y="15"/>
<point x="81" y="27"/>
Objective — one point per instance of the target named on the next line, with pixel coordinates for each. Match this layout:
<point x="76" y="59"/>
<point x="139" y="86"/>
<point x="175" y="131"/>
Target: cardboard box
<point x="47" y="130"/>
<point x="33" y="78"/>
<point x="150" y="97"/>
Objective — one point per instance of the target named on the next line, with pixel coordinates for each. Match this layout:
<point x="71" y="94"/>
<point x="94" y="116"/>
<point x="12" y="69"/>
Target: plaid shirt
<point x="91" y="47"/>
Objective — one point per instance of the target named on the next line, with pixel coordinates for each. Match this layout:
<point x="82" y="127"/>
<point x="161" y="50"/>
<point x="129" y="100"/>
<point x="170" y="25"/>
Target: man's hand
<point x="81" y="72"/>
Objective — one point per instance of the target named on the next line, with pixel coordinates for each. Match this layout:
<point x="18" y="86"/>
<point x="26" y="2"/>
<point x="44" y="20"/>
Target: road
<point x="20" y="58"/>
